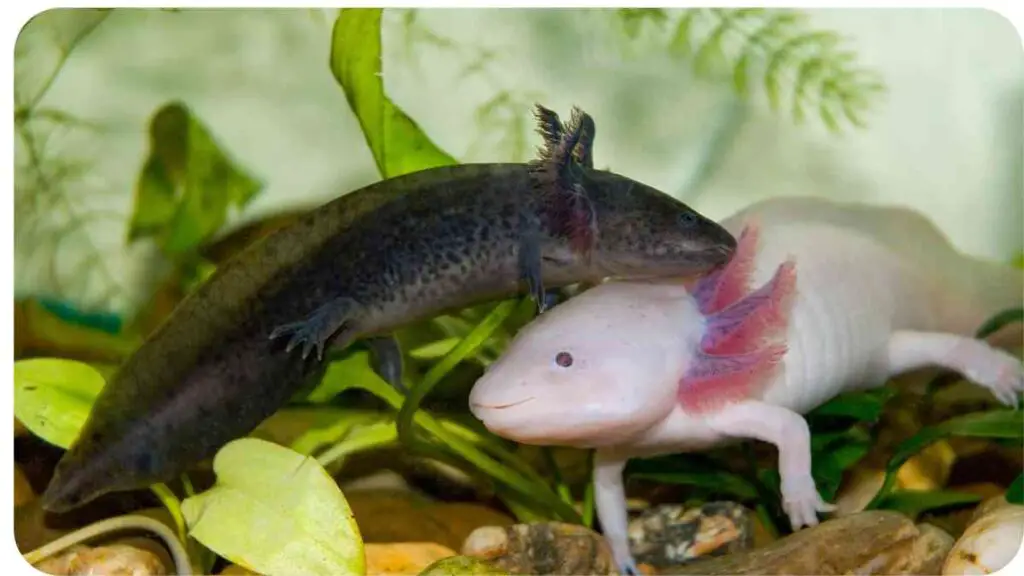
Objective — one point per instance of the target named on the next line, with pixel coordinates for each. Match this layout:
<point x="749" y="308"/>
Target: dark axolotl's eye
<point x="687" y="219"/>
<point x="563" y="359"/>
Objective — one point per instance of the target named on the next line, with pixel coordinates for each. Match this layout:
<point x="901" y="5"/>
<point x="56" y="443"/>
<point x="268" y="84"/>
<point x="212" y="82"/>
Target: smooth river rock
<point x="874" y="542"/>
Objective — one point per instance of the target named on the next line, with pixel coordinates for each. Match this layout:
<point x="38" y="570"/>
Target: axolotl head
<point x="618" y="359"/>
<point x="594" y="370"/>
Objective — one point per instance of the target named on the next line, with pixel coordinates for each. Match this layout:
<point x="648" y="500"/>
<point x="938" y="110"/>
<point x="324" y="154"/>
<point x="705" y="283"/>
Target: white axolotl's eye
<point x="563" y="359"/>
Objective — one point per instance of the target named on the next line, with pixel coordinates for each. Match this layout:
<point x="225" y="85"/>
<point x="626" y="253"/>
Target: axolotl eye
<point x="563" y="359"/>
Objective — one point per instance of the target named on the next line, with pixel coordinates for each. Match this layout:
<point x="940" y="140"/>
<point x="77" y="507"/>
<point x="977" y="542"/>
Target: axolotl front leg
<point x="745" y="420"/>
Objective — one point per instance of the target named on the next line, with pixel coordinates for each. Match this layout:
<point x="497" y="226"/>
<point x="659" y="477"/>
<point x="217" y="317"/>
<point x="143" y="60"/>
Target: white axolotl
<point x="821" y="298"/>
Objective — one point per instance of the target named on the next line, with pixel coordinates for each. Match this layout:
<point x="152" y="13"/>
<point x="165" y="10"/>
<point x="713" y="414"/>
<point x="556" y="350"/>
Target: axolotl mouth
<point x="501" y="406"/>
<point x="497" y="417"/>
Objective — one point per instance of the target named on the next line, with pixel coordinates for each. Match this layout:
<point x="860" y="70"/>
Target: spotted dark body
<point x="395" y="252"/>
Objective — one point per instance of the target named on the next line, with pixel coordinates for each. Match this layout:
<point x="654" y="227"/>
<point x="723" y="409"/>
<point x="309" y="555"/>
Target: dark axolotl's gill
<point x="398" y="251"/>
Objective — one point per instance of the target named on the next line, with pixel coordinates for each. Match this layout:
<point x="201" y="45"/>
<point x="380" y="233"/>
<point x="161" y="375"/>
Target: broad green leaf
<point x="53" y="397"/>
<point x="275" y="511"/>
<point x="914" y="502"/>
<point x="398" y="144"/>
<point x="1015" y="493"/>
<point x="187" y="184"/>
<point x="1001" y="423"/>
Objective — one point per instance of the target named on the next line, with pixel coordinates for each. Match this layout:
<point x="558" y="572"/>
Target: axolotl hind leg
<point x="998" y="371"/>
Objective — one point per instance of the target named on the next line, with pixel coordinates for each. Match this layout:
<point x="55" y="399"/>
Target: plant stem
<point x="169" y="500"/>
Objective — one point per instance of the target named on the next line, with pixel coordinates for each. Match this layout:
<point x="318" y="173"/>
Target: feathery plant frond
<point x="799" y="67"/>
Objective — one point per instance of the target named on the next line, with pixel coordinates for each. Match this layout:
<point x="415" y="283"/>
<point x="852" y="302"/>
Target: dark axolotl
<point x="398" y="251"/>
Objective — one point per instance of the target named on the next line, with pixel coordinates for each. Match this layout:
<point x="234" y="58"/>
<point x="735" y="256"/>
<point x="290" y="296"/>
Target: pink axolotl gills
<point x="874" y="292"/>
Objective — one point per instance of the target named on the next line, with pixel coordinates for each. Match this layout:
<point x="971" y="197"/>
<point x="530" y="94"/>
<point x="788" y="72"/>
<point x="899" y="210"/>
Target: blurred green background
<point x="945" y="139"/>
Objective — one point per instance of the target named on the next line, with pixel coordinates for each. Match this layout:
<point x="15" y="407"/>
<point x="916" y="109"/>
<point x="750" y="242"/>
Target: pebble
<point x="403" y="558"/>
<point x="402" y="516"/>
<point x="990" y="542"/>
<point x="672" y="534"/>
<point x="873" y="542"/>
<point x="114" y="560"/>
<point x="542" y="548"/>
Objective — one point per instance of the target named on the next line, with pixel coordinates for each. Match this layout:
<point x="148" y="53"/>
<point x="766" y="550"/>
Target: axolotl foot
<point x="314" y="330"/>
<point x="629" y="568"/>
<point x="997" y="370"/>
<point x="801" y="501"/>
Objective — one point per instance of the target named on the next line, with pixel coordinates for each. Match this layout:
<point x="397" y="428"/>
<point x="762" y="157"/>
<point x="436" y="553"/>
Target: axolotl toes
<point x="820" y="298"/>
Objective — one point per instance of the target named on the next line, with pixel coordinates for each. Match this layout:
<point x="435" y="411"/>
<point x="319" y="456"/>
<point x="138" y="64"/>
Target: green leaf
<point x="634" y="19"/>
<point x="1002" y="423"/>
<point x="991" y="424"/>
<point x="187" y="184"/>
<point x="864" y="406"/>
<point x="998" y="321"/>
<point x="914" y="502"/>
<point x="829" y="465"/>
<point x="465" y="347"/>
<point x="365" y="437"/>
<point x="435" y="349"/>
<point x="1015" y="493"/>
<point x="330" y="431"/>
<point x="721" y="482"/>
<point x="352" y="370"/>
<point x="53" y="397"/>
<point x="275" y="511"/>
<point x="398" y="144"/>
<point x="694" y="470"/>
<point x="680" y="44"/>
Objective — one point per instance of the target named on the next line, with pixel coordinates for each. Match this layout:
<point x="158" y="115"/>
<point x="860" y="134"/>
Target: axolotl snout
<point x="820" y="298"/>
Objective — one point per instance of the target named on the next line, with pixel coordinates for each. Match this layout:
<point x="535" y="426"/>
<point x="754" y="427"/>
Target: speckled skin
<point x="392" y="253"/>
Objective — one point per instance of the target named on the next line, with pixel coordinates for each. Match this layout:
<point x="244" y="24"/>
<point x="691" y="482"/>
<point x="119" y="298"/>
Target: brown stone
<point x="542" y="548"/>
<point x="115" y="560"/>
<point x="672" y="534"/>
<point x="874" y="542"/>
<point x="402" y="516"/>
<point x="403" y="558"/>
<point x="991" y="541"/>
